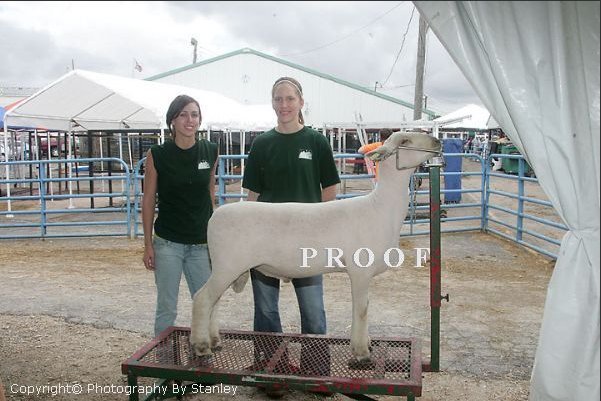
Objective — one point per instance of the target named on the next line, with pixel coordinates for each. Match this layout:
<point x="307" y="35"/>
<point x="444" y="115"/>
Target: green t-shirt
<point x="184" y="199"/>
<point x="290" y="167"/>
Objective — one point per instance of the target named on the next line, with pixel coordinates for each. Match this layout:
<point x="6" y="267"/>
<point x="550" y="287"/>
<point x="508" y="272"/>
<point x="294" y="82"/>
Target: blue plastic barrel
<point x="452" y="164"/>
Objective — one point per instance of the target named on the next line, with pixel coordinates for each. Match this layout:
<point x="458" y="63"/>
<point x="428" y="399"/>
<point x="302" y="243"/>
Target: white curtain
<point x="535" y="65"/>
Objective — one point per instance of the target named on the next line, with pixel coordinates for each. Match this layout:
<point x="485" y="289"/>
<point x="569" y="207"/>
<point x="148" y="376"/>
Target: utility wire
<point x="396" y="86"/>
<point x="401" y="49"/>
<point x="344" y="37"/>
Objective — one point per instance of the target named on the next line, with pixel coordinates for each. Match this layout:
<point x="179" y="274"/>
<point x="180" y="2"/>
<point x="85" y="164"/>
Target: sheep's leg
<point x="359" y="334"/>
<point x="205" y="333"/>
<point x="201" y="314"/>
<point x="214" y="329"/>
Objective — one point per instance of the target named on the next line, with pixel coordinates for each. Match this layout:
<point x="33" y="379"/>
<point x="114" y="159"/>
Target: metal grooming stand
<point x="317" y="363"/>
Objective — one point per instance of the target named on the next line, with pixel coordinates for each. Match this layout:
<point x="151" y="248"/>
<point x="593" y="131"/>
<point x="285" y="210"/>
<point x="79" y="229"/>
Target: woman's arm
<point x="148" y="204"/>
<point x="252" y="196"/>
<point x="328" y="193"/>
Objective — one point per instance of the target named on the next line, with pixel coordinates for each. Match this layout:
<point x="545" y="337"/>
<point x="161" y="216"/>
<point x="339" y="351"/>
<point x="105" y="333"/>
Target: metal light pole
<point x="419" y="69"/>
<point x="194" y="43"/>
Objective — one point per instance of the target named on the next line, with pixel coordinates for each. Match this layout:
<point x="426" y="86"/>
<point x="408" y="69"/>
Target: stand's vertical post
<point x="132" y="382"/>
<point x="221" y="181"/>
<point x="435" y="266"/>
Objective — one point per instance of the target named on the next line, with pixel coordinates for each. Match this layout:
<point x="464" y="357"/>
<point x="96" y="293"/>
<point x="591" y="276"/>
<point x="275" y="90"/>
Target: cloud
<point x="97" y="36"/>
<point x="23" y="51"/>
<point x="363" y="53"/>
<point x="293" y="31"/>
<point x="353" y="41"/>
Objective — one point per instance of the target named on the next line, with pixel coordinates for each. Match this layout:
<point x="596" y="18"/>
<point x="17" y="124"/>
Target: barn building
<point x="247" y="76"/>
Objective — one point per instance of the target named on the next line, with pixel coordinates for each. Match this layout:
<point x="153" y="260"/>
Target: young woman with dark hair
<point x="181" y="173"/>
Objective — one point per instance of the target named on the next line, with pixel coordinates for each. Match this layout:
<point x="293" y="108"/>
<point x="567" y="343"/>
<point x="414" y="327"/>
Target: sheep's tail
<point x="240" y="282"/>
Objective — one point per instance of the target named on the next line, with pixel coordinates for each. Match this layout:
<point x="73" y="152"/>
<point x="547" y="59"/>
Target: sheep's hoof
<point x="362" y="353"/>
<point x="201" y="348"/>
<point x="361" y="363"/>
<point x="216" y="342"/>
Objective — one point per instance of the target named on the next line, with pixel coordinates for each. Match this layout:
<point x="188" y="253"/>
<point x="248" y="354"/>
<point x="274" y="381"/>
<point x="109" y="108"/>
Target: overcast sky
<point x="355" y="41"/>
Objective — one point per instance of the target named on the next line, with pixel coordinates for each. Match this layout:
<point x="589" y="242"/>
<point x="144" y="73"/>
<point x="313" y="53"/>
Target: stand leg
<point x="132" y="382"/>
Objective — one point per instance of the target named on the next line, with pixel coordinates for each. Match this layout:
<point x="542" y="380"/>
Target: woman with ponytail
<point x="290" y="163"/>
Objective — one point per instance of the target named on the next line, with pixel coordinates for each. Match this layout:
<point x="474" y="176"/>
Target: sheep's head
<point x="415" y="148"/>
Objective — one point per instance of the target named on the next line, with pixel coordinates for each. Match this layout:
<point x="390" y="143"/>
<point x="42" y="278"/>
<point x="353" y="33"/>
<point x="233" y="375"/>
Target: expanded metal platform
<point x="288" y="361"/>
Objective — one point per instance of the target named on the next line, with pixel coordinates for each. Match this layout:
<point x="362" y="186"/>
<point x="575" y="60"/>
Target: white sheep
<point x="270" y="237"/>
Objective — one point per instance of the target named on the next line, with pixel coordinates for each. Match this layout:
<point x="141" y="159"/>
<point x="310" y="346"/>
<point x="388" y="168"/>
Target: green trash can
<point x="511" y="166"/>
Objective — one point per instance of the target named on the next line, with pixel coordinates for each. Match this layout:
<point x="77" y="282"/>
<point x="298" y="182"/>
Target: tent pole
<point x="228" y="140"/>
<point x="18" y="139"/>
<point x="121" y="158"/>
<point x="7" y="171"/>
<point x="131" y="159"/>
<point x="30" y="158"/>
<point x="242" y="149"/>
<point x="37" y="157"/>
<point x="36" y="144"/>
<point x="101" y="156"/>
<point x="70" y="167"/>
<point x="49" y="151"/>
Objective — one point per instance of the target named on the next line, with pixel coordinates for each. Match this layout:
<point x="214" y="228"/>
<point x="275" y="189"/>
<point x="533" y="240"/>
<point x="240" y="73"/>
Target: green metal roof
<point x="430" y="113"/>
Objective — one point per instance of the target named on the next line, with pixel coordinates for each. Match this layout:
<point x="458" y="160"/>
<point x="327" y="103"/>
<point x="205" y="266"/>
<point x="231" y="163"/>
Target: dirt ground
<point x="72" y="310"/>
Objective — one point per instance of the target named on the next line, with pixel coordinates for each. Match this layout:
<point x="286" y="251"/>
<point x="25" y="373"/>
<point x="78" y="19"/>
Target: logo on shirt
<point x="203" y="165"/>
<point x="305" y="154"/>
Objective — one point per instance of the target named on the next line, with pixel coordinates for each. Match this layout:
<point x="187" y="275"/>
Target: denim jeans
<point x="309" y="292"/>
<point x="171" y="259"/>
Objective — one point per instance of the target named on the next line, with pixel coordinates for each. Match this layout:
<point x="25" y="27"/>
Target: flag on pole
<point x="137" y="66"/>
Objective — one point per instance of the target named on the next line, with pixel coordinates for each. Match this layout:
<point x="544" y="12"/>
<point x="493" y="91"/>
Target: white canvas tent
<point x="89" y="101"/>
<point x="535" y="65"/>
<point x="83" y="100"/>
<point x="476" y="117"/>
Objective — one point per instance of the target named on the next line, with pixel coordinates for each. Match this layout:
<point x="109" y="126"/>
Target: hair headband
<point x="289" y="82"/>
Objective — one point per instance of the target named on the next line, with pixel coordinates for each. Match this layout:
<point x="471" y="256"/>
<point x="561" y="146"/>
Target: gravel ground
<point x="72" y="310"/>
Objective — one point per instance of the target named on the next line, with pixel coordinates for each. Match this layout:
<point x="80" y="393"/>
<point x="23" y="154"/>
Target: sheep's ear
<point x="378" y="154"/>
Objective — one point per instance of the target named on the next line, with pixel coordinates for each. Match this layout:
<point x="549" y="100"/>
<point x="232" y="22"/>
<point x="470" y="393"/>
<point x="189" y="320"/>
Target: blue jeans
<point x="309" y="292"/>
<point x="171" y="259"/>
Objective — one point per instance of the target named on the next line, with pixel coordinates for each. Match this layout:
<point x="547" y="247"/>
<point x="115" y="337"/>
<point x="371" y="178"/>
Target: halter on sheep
<point x="271" y="236"/>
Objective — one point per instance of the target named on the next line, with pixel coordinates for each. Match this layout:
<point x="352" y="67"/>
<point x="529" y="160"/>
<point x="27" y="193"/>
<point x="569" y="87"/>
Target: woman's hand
<point x="149" y="257"/>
